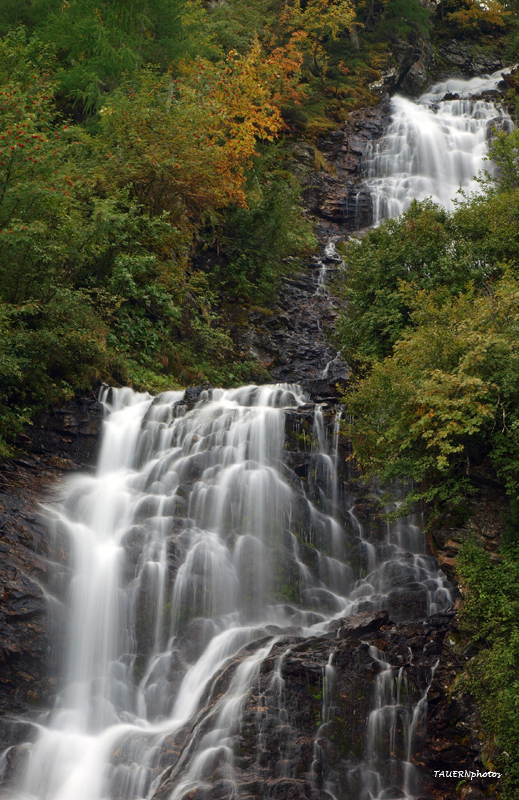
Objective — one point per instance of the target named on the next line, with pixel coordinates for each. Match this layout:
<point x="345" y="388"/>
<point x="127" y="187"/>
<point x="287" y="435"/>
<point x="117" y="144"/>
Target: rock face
<point x="419" y="64"/>
<point x="488" y="508"/>
<point x="335" y="197"/>
<point x="68" y="437"/>
<point x="465" y="59"/>
<point x="455" y="733"/>
<point x="62" y="440"/>
<point x="304" y="731"/>
<point x="292" y="341"/>
<point x="454" y="737"/>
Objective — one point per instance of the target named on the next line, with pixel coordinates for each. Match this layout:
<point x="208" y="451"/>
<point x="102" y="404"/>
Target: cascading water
<point x="433" y="145"/>
<point x="391" y="727"/>
<point x="206" y="546"/>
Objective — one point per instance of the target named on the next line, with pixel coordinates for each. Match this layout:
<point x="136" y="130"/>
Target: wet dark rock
<point x="416" y="62"/>
<point x="194" y="639"/>
<point x="498" y="125"/>
<point x="338" y="199"/>
<point x="454" y="729"/>
<point x="193" y="393"/>
<point x="465" y="58"/>
<point x="284" y="747"/>
<point x="408" y="602"/>
<point x="194" y="466"/>
<point x="418" y="65"/>
<point x="361" y="624"/>
<point x="320" y="599"/>
<point x="61" y="440"/>
<point x="66" y="434"/>
<point x="292" y="341"/>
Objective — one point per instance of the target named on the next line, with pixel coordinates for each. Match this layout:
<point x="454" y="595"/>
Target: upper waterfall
<point x="434" y="145"/>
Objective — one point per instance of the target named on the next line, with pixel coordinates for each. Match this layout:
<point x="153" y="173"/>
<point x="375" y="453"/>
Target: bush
<point x="256" y="240"/>
<point x="428" y="248"/>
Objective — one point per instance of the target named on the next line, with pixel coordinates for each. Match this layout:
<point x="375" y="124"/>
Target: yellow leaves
<point x="488" y="15"/>
<point x="419" y="408"/>
<point x="320" y="18"/>
<point x="447" y="407"/>
<point x="313" y="23"/>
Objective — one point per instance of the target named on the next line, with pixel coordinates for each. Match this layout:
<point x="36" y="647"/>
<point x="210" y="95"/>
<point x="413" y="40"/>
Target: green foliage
<point x="97" y="44"/>
<point x="401" y="17"/>
<point x="430" y="328"/>
<point x="504" y="151"/>
<point x="429" y="248"/>
<point x="237" y="22"/>
<point x="255" y="241"/>
<point x="490" y="615"/>
<point x="99" y="226"/>
<point x="415" y="248"/>
<point x="48" y="351"/>
<point x="448" y="393"/>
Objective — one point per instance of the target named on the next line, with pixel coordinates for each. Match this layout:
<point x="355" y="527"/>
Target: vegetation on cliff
<point x="142" y="193"/>
<point x="490" y="616"/>
<point x="99" y="222"/>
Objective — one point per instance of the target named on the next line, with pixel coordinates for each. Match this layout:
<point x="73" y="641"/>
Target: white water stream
<point x="191" y="541"/>
<point x="433" y="146"/>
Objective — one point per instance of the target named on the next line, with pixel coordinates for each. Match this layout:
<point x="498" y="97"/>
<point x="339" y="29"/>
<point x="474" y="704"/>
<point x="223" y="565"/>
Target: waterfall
<point x="221" y="541"/>
<point x="434" y="145"/>
<point x="209" y="533"/>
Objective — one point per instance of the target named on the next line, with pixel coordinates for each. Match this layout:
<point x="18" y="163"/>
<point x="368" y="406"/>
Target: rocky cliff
<point x="294" y="723"/>
<point x="60" y="441"/>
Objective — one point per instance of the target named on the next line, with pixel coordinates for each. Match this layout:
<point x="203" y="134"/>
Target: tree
<point x="98" y="43"/>
<point x="183" y="145"/>
<point x="472" y="14"/>
<point x="318" y="21"/>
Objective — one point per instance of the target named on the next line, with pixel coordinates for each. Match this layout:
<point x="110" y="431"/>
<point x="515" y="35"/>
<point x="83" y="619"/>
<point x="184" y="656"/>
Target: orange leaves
<point x="488" y="16"/>
<point x="184" y="144"/>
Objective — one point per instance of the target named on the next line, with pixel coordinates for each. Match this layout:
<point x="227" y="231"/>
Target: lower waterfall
<point x="215" y="542"/>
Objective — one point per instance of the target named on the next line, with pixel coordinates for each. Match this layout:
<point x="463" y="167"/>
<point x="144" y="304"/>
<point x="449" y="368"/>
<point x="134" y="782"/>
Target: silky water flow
<point x="192" y="550"/>
<point x="434" y="145"/>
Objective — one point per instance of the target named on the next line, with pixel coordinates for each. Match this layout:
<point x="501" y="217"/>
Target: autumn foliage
<point x="100" y="220"/>
<point x="183" y="144"/>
